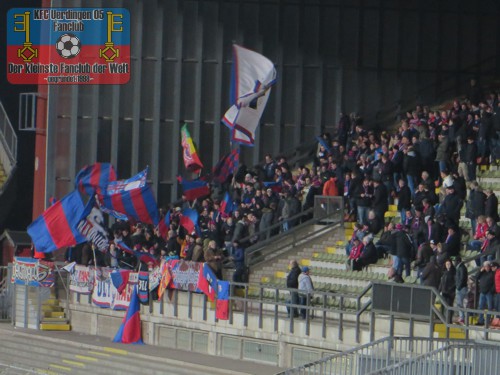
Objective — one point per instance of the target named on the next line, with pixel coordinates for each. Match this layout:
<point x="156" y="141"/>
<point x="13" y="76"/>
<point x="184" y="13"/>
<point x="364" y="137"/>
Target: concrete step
<point x="55" y="326"/>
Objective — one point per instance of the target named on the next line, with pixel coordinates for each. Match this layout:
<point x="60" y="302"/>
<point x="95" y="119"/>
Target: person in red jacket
<point x="330" y="187"/>
<point x="496" y="302"/>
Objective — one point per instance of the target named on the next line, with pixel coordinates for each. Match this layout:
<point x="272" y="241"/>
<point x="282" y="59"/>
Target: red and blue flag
<point x="120" y="278"/>
<point x="130" y="329"/>
<point x="138" y="204"/>
<point x="94" y="178"/>
<point x="57" y="226"/>
<point x="222" y="304"/>
<point x="164" y="225"/>
<point x="227" y="205"/>
<point x="194" y="189"/>
<point x="207" y="281"/>
<point x="226" y="166"/>
<point x="189" y="220"/>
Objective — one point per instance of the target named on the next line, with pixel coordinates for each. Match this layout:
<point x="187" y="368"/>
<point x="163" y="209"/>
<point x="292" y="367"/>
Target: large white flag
<point x="251" y="81"/>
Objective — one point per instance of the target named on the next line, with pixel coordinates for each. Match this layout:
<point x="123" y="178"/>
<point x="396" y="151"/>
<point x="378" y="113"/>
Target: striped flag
<point x="130" y="329"/>
<point x="131" y="199"/>
<point x="252" y="76"/>
<point x="57" y="226"/>
<point x="94" y="178"/>
<point x="226" y="166"/>
<point x="190" y="155"/>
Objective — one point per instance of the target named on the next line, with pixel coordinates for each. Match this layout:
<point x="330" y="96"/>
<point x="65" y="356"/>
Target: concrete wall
<point x="284" y="348"/>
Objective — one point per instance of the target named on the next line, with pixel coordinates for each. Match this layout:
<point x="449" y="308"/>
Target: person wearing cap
<point x="461" y="277"/>
<point x="486" y="281"/>
<point x="306" y="289"/>
<point x="495" y="267"/>
<point x="451" y="205"/>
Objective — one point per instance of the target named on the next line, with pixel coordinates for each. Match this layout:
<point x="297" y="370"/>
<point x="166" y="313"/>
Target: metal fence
<point x="5" y="293"/>
<point x="462" y="359"/>
<point x="415" y="356"/>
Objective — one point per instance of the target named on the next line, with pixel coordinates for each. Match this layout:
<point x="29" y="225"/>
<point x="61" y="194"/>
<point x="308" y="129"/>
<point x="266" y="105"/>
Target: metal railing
<point x="464" y="359"/>
<point x="401" y="355"/>
<point x="8" y="138"/>
<point x="328" y="211"/>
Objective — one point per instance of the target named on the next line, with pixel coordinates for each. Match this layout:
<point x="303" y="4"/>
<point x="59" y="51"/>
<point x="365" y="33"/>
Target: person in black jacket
<point x="363" y="195"/>
<point x="486" y="280"/>
<point x="461" y="277"/>
<point x="404" y="198"/>
<point x="368" y="255"/>
<point x="411" y="168"/>
<point x="491" y="205"/>
<point x="476" y="204"/>
<point x="447" y="286"/>
<point x="468" y="156"/>
<point x="451" y="205"/>
<point x="451" y="245"/>
<point x="380" y="199"/>
<point x="292" y="282"/>
<point x="431" y="275"/>
<point x="404" y="251"/>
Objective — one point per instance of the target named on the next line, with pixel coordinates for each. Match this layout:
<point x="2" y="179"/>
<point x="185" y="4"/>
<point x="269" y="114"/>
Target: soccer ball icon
<point x="68" y="46"/>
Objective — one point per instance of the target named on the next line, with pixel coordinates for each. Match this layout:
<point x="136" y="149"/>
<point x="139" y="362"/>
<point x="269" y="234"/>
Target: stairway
<point x="54" y="317"/>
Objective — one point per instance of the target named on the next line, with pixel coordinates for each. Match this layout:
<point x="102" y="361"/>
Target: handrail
<point x="257" y="253"/>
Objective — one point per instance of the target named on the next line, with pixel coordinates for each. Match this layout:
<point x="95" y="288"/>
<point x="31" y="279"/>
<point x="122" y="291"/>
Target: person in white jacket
<point x="306" y="288"/>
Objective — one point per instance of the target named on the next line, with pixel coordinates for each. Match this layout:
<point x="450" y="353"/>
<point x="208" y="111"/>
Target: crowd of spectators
<point x="427" y="167"/>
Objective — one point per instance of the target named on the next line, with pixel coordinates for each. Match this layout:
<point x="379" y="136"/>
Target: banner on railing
<point x="82" y="280"/>
<point x="99" y="283"/>
<point x="105" y="293"/>
<point x="33" y="272"/>
<point x="185" y="275"/>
